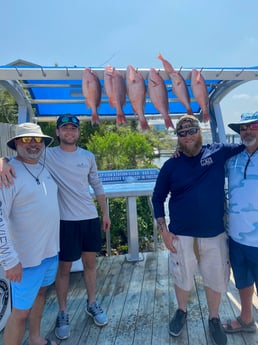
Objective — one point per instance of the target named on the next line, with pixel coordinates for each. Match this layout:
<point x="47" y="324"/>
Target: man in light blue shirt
<point x="242" y="171"/>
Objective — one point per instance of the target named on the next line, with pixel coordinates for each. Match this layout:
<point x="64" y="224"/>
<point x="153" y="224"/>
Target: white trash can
<point x="5" y="299"/>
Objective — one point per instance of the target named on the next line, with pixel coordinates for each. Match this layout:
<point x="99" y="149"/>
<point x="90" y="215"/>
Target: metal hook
<point x="218" y="74"/>
<point x="19" y="73"/>
<point x="180" y="69"/>
<point x="238" y="74"/>
<point x="43" y="73"/>
<point x="67" y="72"/>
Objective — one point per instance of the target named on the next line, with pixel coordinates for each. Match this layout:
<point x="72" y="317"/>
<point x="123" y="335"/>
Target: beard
<point x="248" y="142"/>
<point x="28" y="154"/>
<point x="193" y="148"/>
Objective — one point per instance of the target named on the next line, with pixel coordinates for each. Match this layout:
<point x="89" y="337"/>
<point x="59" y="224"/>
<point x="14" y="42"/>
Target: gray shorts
<point x="210" y="255"/>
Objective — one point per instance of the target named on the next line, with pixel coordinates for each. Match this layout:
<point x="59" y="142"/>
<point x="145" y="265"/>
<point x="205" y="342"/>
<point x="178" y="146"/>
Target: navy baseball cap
<point x="67" y="119"/>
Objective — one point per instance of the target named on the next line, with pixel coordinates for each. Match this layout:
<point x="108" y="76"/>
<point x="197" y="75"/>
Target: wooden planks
<point x="140" y="300"/>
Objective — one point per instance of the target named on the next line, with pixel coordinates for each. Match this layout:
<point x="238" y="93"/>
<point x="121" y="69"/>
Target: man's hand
<point x="15" y="273"/>
<point x="169" y="239"/>
<point x="106" y="223"/>
<point x="176" y="154"/>
<point x="7" y="173"/>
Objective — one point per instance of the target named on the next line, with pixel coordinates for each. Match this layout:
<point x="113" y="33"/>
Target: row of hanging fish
<point x="116" y="90"/>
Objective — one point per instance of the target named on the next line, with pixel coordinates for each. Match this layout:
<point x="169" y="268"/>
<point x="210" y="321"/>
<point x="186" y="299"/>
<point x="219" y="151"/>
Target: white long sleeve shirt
<point x="29" y="218"/>
<point x="74" y="173"/>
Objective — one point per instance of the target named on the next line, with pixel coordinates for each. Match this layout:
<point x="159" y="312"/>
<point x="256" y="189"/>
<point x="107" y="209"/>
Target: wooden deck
<point x="139" y="299"/>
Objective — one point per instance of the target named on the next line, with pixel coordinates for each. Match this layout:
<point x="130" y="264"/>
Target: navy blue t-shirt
<point x="196" y="188"/>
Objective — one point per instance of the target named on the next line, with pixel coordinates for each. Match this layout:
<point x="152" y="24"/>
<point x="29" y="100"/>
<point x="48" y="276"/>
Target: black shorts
<point x="79" y="236"/>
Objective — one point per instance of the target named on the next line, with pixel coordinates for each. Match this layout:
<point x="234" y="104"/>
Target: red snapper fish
<point x="115" y="88"/>
<point x="178" y="85"/>
<point x="91" y="89"/>
<point x="201" y="93"/>
<point x="159" y="96"/>
<point x="136" y="91"/>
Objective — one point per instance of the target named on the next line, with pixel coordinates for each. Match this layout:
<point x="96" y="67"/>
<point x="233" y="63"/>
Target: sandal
<point x="244" y="327"/>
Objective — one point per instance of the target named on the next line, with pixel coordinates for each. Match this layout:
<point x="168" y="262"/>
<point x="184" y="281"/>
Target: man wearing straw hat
<point x="29" y="234"/>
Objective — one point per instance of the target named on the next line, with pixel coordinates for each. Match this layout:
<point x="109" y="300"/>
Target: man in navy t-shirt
<point x="195" y="235"/>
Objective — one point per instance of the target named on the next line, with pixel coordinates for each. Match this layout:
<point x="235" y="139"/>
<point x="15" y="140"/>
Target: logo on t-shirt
<point x="4" y="296"/>
<point x="206" y="161"/>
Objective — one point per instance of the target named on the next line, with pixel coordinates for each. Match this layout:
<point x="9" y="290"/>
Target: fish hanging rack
<point x="50" y="91"/>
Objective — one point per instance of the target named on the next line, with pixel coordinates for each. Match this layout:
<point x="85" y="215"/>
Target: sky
<point x="83" y="33"/>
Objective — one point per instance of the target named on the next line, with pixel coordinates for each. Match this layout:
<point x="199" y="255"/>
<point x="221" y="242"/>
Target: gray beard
<point x="249" y="143"/>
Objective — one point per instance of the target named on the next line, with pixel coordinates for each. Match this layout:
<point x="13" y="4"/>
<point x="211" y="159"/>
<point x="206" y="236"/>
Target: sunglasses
<point x="27" y="140"/>
<point x="190" y="131"/>
<point x="251" y="126"/>
<point x="68" y="119"/>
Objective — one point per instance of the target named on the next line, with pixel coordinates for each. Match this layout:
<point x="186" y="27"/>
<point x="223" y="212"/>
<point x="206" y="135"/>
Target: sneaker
<point x="217" y="333"/>
<point x="99" y="316"/>
<point x="177" y="323"/>
<point x="62" y="330"/>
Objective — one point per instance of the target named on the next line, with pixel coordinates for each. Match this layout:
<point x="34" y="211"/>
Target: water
<point x="159" y="161"/>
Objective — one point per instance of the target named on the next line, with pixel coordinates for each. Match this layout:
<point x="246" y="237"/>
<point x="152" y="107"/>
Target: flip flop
<point x="244" y="327"/>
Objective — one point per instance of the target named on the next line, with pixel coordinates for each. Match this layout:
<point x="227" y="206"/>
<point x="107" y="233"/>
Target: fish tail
<point x="189" y="111"/>
<point x="206" y="117"/>
<point x="168" y="122"/>
<point x="167" y="65"/>
<point x="160" y="57"/>
<point x="144" y="124"/>
<point x="95" y="118"/>
<point x="120" y="119"/>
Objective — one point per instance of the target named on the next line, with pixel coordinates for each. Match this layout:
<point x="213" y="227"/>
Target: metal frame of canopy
<point x="43" y="93"/>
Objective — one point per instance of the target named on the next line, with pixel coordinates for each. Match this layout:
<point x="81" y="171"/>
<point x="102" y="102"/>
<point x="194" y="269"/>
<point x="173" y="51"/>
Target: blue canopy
<point x="47" y="92"/>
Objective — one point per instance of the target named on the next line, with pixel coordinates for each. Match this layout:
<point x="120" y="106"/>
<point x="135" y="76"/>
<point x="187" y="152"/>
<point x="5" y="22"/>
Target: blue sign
<point x="128" y="176"/>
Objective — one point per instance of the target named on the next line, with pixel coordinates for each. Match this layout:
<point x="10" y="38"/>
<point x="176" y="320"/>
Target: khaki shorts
<point x="210" y="255"/>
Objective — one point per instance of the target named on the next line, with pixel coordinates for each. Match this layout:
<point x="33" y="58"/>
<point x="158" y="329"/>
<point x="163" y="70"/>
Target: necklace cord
<point x="28" y="170"/>
<point x="248" y="161"/>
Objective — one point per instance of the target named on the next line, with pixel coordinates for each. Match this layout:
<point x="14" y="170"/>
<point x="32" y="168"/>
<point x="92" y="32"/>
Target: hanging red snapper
<point x="159" y="96"/>
<point x="115" y="88"/>
<point x="200" y="93"/>
<point x="136" y="91"/>
<point x="178" y="85"/>
<point x="91" y="89"/>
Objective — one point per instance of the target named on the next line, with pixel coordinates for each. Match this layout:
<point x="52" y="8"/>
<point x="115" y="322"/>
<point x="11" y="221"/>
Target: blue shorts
<point x="244" y="262"/>
<point x="79" y="236"/>
<point x="25" y="292"/>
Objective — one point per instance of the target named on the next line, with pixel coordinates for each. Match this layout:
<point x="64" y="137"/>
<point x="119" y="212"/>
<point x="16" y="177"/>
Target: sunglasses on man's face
<point x="190" y="131"/>
<point x="27" y="140"/>
<point x="251" y="126"/>
<point x="68" y="119"/>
